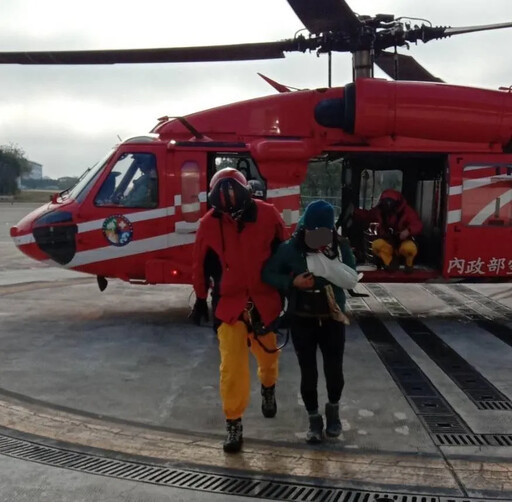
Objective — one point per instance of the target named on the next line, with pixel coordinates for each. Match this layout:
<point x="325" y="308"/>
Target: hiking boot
<point x="268" y="401"/>
<point x="332" y="416"/>
<point x="315" y="431"/>
<point x="234" y="440"/>
<point x="393" y="266"/>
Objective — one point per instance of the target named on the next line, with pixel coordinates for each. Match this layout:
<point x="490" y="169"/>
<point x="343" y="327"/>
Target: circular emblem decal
<point x="118" y="230"/>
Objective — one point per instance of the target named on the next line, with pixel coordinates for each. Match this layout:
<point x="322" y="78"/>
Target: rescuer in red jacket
<point x="242" y="232"/>
<point x="397" y="225"/>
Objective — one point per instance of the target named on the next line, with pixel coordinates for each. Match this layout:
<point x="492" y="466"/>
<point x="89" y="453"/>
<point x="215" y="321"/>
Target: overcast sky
<point x="66" y="118"/>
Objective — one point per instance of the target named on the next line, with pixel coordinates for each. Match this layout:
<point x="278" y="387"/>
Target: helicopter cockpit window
<point x="132" y="182"/>
<point x="87" y="180"/>
<point x="373" y="183"/>
<point x="487" y="195"/>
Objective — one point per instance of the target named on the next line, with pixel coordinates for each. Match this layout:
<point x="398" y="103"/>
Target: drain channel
<point x="463" y="309"/>
<point x="445" y="426"/>
<point x="255" y="487"/>
<point x="501" y="331"/>
<point x="480" y="299"/>
<point x="504" y="333"/>
<point x="481" y="392"/>
<point x="478" y="389"/>
<point x="436" y="414"/>
<point x="442" y="422"/>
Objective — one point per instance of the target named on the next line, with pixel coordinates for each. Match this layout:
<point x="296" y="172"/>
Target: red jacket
<point x="404" y="216"/>
<point x="242" y="256"/>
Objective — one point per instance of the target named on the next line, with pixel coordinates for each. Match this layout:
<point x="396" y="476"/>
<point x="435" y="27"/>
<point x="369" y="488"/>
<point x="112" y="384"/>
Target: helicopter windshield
<point x="132" y="182"/>
<point x="78" y="191"/>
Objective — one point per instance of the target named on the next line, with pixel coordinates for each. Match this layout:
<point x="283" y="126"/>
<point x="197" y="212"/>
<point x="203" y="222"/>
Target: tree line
<point x="15" y="165"/>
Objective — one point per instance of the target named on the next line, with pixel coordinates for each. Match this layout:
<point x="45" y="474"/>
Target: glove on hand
<point x="199" y="311"/>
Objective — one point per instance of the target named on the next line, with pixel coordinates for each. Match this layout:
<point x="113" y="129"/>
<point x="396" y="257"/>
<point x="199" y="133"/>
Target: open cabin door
<point x="479" y="217"/>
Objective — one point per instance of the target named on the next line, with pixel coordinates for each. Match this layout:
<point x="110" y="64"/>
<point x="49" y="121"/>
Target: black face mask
<point x="387" y="205"/>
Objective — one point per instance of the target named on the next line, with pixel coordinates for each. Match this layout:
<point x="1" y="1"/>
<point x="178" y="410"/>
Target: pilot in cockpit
<point x="145" y="188"/>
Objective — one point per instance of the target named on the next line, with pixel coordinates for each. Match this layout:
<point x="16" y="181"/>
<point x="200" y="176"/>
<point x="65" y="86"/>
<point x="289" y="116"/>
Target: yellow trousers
<point x="385" y="251"/>
<point x="234" y="345"/>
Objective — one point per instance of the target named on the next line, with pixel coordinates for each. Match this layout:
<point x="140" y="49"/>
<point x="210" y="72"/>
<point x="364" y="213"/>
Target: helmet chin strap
<point x="237" y="215"/>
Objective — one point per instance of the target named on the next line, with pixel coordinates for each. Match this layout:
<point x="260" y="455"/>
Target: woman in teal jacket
<point x="312" y="269"/>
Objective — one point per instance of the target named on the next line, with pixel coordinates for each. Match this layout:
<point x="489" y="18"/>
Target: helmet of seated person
<point x="258" y="189"/>
<point x="146" y="163"/>
<point x="229" y="192"/>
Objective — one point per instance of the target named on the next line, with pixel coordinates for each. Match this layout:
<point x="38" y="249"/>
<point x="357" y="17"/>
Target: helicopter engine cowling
<point x="376" y="108"/>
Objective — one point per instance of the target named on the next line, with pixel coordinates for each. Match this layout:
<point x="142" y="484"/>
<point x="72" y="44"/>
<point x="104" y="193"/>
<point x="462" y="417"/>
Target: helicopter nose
<point x="54" y="233"/>
<point x="45" y="234"/>
<point x="21" y="234"/>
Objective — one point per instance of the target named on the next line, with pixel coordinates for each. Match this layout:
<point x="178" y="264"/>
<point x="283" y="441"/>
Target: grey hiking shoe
<point x="332" y="416"/>
<point x="315" y="431"/>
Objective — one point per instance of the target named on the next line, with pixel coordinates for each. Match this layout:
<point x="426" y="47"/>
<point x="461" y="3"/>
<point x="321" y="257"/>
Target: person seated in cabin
<point x="144" y="192"/>
<point x="396" y="225"/>
<point x="258" y="189"/>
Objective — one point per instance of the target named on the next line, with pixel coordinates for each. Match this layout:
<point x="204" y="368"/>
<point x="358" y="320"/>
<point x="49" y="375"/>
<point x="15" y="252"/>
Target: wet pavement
<point x="123" y="373"/>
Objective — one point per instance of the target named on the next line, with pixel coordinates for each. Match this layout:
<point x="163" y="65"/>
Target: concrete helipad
<point x="123" y="375"/>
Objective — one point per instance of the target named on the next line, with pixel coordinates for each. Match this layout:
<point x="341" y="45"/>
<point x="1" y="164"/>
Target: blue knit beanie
<point x="319" y="214"/>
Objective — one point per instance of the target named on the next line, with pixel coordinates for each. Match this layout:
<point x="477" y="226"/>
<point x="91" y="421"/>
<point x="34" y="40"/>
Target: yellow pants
<point x="385" y="251"/>
<point x="234" y="345"/>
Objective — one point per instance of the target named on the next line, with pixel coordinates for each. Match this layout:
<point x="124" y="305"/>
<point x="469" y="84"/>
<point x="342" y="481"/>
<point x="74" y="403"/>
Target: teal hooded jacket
<point x="289" y="261"/>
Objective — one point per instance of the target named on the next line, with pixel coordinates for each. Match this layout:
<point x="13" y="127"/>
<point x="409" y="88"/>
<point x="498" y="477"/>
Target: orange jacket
<point x="242" y="256"/>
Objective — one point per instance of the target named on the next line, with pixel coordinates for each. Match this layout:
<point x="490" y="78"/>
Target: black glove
<point x="200" y="310"/>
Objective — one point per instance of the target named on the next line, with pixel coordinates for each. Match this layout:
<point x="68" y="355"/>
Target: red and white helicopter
<point x="447" y="148"/>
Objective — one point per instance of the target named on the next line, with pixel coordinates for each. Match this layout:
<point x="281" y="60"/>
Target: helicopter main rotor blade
<point x="403" y="67"/>
<point x="470" y="29"/>
<point x="320" y="16"/>
<point x="239" y="52"/>
<point x="427" y="33"/>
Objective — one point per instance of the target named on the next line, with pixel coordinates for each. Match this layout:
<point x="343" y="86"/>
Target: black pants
<point x="329" y="335"/>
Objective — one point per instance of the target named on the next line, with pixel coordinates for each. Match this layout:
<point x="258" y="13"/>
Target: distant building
<point x="36" y="171"/>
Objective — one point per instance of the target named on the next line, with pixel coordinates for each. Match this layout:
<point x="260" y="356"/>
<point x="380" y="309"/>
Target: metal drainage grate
<point x="430" y="406"/>
<point x="450" y="499"/>
<point x="481" y="392"/>
<point x="449" y="439"/>
<point x="463" y="309"/>
<point x="468" y="309"/>
<point x="489" y="303"/>
<point x="446" y="427"/>
<point x="499" y="439"/>
<point x="474" y="439"/>
<point x="393" y="306"/>
<point x="201" y="481"/>
<point x="504" y="333"/>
